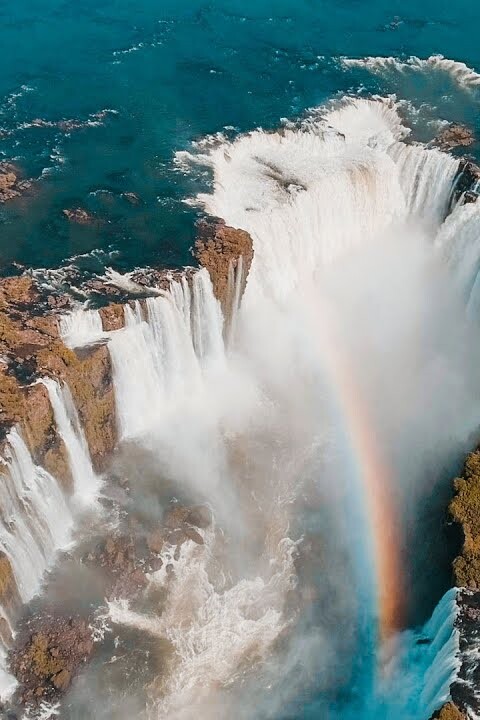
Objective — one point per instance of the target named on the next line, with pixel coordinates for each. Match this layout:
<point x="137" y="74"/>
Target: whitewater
<point x="310" y="418"/>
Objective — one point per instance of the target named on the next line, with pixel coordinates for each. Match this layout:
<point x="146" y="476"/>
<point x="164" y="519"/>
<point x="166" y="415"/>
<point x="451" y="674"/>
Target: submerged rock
<point x="132" y="198"/>
<point x="80" y="216"/>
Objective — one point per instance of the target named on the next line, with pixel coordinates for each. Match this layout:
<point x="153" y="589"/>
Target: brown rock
<point x="113" y="317"/>
<point x="219" y="248"/>
<point x="80" y="216"/>
<point x="200" y="517"/>
<point x="11" y="186"/>
<point x="48" y="652"/>
<point x="61" y="681"/>
<point x="465" y="510"/>
<point x="9" y="597"/>
<point x="194" y="535"/>
<point x="454" y="135"/>
<point x="155" y="541"/>
<point x="449" y="712"/>
<point x="176" y="516"/>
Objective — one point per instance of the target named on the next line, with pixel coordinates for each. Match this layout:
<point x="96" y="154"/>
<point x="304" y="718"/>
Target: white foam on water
<point x="460" y="73"/>
<point x="215" y="627"/>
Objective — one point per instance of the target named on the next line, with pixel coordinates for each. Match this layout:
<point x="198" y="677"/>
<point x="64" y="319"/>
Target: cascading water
<point x="35" y="523"/>
<point x="296" y="426"/>
<point x="81" y="327"/>
<point x="86" y="482"/>
<point x="159" y="357"/>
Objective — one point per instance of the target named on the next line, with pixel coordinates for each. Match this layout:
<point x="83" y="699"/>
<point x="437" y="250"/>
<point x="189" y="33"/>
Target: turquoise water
<point x="173" y="72"/>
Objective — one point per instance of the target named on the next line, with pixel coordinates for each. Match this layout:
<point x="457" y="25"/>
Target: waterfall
<point x="35" y="518"/>
<point x="86" y="482"/>
<point x="459" y="243"/>
<point x="160" y="355"/>
<point x="81" y="327"/>
<point x="427" y="178"/>
<point x="35" y="522"/>
<point x="293" y="404"/>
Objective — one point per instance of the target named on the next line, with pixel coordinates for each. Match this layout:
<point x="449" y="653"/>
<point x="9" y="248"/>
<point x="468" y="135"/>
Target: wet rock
<point x="79" y="216"/>
<point x="468" y="179"/>
<point x="192" y="534"/>
<point x="123" y="563"/>
<point x="30" y="347"/>
<point x="454" y="135"/>
<point x="469" y="197"/>
<point x="155" y="541"/>
<point x="156" y="563"/>
<point x="11" y="186"/>
<point x="200" y="517"/>
<point x="9" y="597"/>
<point x="219" y="248"/>
<point x="176" y="516"/>
<point x="113" y="317"/>
<point x="47" y="654"/>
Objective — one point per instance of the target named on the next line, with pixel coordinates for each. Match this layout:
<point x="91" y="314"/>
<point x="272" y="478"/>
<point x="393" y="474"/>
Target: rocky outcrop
<point x="48" y="654"/>
<point x="467" y="182"/>
<point x="449" y="712"/>
<point x="11" y="184"/>
<point x="454" y="135"/>
<point x="465" y="510"/>
<point x="80" y="216"/>
<point x="50" y="649"/>
<point x="31" y="347"/>
<point x="219" y="248"/>
<point x="125" y="559"/>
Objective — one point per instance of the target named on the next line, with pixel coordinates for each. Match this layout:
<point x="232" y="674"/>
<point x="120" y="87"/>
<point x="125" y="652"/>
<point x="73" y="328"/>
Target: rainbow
<point x="374" y="478"/>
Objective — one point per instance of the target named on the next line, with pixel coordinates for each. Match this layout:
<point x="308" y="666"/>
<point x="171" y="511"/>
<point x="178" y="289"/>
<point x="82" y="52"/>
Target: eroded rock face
<point x="218" y="249"/>
<point x="30" y="347"/>
<point x="48" y="654"/>
<point x="9" y="598"/>
<point x="467" y="180"/>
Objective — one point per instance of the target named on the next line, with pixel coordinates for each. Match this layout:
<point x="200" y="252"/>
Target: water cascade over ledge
<point x="37" y="515"/>
<point x="312" y="423"/>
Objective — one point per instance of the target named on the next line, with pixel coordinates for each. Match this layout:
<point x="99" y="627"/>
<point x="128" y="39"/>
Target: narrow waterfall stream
<point x="37" y="516"/>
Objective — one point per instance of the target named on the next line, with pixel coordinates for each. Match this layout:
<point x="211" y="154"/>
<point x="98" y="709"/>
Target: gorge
<point x="225" y="488"/>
